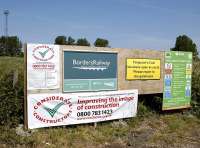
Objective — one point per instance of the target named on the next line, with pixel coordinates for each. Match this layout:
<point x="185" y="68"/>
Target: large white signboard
<point x="45" y="110"/>
<point x="42" y="66"/>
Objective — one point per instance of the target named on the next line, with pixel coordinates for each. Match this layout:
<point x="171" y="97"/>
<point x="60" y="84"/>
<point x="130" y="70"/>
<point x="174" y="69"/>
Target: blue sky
<point x="143" y="24"/>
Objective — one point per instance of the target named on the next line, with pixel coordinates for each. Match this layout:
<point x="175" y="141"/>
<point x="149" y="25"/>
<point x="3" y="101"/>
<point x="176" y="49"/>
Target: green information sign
<point x="177" y="80"/>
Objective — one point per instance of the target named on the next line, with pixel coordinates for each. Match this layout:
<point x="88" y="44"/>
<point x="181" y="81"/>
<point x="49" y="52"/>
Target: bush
<point x="196" y="87"/>
<point x="11" y="96"/>
<point x="151" y="101"/>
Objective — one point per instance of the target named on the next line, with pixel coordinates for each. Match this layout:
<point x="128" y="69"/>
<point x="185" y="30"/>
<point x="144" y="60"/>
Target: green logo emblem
<point x="43" y="53"/>
<point x="53" y="110"/>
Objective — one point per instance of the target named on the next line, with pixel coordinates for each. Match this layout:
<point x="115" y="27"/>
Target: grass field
<point x="175" y="130"/>
<point x="149" y="129"/>
<point x="10" y="63"/>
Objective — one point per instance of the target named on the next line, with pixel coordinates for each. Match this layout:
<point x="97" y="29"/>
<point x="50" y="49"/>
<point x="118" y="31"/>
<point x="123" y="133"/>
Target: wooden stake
<point x="95" y="125"/>
<point x="25" y="88"/>
<point x="15" y="77"/>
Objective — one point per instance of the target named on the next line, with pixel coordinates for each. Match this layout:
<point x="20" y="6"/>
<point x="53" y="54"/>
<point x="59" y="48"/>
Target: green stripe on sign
<point x="104" y="84"/>
<point x="72" y="85"/>
<point x="75" y="85"/>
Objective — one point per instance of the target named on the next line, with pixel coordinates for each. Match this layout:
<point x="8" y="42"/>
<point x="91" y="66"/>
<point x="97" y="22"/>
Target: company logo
<point x="43" y="53"/>
<point x="52" y="109"/>
<point x="90" y="65"/>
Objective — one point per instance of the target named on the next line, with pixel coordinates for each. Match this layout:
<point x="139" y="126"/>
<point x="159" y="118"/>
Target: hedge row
<point x="11" y="96"/>
<point x="196" y="88"/>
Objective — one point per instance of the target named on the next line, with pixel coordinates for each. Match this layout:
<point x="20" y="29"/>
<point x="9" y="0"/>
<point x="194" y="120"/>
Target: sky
<point x="141" y="24"/>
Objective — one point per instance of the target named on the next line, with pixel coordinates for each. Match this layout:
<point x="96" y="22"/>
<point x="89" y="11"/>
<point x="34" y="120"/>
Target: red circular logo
<point x="52" y="109"/>
<point x="43" y="53"/>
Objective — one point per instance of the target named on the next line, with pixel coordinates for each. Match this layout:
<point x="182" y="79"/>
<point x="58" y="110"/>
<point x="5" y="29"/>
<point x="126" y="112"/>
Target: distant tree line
<point x="10" y="46"/>
<point x="63" y="40"/>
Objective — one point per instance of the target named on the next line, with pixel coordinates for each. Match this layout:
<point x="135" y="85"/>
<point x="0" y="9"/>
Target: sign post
<point x="25" y="88"/>
<point x="49" y="80"/>
<point x="45" y="110"/>
<point x="89" y="71"/>
<point x="177" y="80"/>
<point x="42" y="66"/>
<point x="142" y="69"/>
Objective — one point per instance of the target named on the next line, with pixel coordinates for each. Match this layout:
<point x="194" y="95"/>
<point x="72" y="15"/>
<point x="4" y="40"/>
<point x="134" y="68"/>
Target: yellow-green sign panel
<point x="177" y="80"/>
